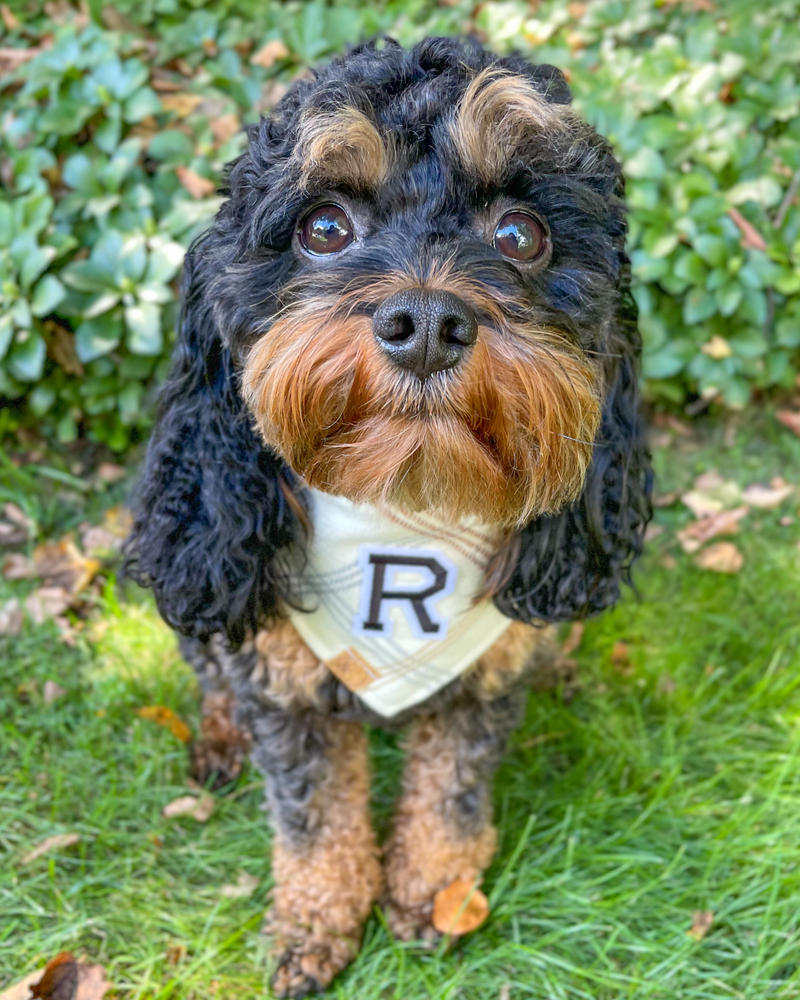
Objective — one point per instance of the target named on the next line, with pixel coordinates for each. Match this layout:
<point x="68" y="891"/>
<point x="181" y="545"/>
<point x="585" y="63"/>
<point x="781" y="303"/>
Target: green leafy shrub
<point x="101" y="125"/>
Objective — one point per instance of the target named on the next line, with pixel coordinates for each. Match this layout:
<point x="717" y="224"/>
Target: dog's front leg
<point x="442" y="829"/>
<point x="325" y="859"/>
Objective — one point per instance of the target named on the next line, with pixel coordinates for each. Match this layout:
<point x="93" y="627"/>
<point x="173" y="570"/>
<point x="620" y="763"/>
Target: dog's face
<point x="417" y="275"/>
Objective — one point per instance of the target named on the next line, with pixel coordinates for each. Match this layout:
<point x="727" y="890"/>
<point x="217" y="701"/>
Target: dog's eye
<point x="520" y="236"/>
<point x="326" y="229"/>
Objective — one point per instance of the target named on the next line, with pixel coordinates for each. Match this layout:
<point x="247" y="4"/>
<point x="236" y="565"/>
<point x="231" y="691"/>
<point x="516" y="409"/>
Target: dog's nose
<point x="425" y="331"/>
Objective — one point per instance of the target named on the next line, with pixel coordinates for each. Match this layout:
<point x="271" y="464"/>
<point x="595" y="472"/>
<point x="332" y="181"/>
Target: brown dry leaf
<point x="61" y="344"/>
<point x="16" y="528"/>
<point x="165" y="717"/>
<point x="61" y="564"/>
<point x="16" y="566"/>
<point x="10" y="617"/>
<point x="790" y="419"/>
<point x="10" y="20"/>
<point x="269" y="54"/>
<point x="717" y="348"/>
<point x="751" y="237"/>
<point x="55" y="843"/>
<point x="22" y="989"/>
<point x="245" y="885"/>
<point x="459" y="908"/>
<point x="666" y="499"/>
<point x="225" y="127"/>
<point x="52" y="692"/>
<point x="182" y="103"/>
<point x="110" y="472"/>
<point x="197" y="186"/>
<point x="573" y="640"/>
<point x="197" y="807"/>
<point x="701" y="924"/>
<point x="696" y="534"/>
<point x="11" y="59"/>
<point x="768" y="497"/>
<point x="65" y="978"/>
<point x="176" y="954"/>
<point x="653" y="530"/>
<point x="107" y="537"/>
<point x="722" y="557"/>
<point x="711" y="494"/>
<point x="47" y="603"/>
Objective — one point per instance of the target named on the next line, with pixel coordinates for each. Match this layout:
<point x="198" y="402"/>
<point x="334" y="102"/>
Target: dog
<point x="399" y="441"/>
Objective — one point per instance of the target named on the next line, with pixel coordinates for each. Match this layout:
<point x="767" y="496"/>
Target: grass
<point x="669" y="784"/>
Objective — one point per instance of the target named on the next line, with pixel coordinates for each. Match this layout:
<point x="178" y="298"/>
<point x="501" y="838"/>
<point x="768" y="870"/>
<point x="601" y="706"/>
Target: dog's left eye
<point x="521" y="237"/>
<point x="326" y="229"/>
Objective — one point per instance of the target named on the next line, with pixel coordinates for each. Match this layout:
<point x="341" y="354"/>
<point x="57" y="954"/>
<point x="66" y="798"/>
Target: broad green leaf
<point x="97" y="337"/>
<point x="34" y="264"/>
<point x="27" y="355"/>
<point x="144" y="328"/>
<point x="46" y="295"/>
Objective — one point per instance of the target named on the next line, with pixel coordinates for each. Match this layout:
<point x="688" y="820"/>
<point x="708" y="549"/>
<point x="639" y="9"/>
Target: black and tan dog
<point x="399" y="436"/>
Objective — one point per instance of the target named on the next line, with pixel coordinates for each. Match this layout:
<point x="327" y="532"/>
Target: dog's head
<point x="418" y="289"/>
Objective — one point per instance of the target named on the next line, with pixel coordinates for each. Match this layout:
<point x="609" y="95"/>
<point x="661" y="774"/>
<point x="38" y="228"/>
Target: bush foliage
<point x="116" y="123"/>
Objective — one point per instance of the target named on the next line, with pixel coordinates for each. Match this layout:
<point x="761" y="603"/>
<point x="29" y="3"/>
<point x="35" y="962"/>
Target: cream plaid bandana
<point x="391" y="594"/>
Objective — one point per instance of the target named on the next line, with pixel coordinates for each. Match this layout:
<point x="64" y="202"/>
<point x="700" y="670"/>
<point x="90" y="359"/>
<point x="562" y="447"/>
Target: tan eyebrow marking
<point x="342" y="145"/>
<point x="496" y="111"/>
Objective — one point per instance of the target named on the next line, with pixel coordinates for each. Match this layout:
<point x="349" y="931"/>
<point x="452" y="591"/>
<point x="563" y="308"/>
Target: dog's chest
<point x="392" y="599"/>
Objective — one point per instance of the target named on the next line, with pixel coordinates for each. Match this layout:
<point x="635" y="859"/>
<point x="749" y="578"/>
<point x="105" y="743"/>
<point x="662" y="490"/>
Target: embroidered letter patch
<point x="413" y="580"/>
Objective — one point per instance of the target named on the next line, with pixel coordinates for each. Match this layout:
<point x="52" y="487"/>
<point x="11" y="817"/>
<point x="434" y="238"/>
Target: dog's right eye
<point x="326" y="229"/>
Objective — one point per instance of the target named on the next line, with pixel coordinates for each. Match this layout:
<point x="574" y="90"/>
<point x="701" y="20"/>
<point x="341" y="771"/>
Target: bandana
<point x="391" y="599"/>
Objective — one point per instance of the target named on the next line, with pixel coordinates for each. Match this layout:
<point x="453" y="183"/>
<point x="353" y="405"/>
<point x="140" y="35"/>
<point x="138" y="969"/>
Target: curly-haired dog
<point x="399" y="431"/>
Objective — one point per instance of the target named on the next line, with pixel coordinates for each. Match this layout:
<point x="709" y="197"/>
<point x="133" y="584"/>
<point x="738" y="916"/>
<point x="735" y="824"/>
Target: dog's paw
<point x="411" y="923"/>
<point x="308" y="968"/>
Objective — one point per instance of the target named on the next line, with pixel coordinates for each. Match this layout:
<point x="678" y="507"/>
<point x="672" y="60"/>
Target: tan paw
<point x="411" y="923"/>
<point x="309" y="967"/>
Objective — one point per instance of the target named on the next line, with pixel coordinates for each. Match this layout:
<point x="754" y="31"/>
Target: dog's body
<point x="412" y="315"/>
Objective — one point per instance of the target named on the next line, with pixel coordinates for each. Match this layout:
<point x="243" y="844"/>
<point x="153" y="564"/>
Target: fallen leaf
<point x="165" y="717"/>
<point x="701" y="924"/>
<point x="22" y="989"/>
<point x="175" y="954"/>
<point x="722" y="557"/>
<point x="245" y="886"/>
<point x="54" y="843"/>
<point x="106" y="538"/>
<point x="459" y="908"/>
<point x="717" y="348"/>
<point x="62" y="564"/>
<point x="10" y="20"/>
<point x="12" y="59"/>
<point x="711" y="494"/>
<point x="16" y="528"/>
<point x="652" y="531"/>
<point x="110" y="472"/>
<point x="17" y="566"/>
<point x="790" y="419"/>
<point x="751" y="237"/>
<point x="666" y="499"/>
<point x="270" y="53"/>
<point x="198" y="808"/>
<point x="47" y="603"/>
<point x="225" y="127"/>
<point x="10" y="619"/>
<point x="162" y="81"/>
<point x="696" y="534"/>
<point x="768" y="497"/>
<point x="52" y="692"/>
<point x="181" y="104"/>
<point x="573" y="640"/>
<point x="197" y="186"/>
<point x="65" y="978"/>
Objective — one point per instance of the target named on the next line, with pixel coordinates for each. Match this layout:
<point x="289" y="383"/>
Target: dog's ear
<point x="214" y="507"/>
<point x="571" y="565"/>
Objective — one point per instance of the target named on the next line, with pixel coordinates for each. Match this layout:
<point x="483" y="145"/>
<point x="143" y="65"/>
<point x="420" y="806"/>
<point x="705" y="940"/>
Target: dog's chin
<point x="505" y="437"/>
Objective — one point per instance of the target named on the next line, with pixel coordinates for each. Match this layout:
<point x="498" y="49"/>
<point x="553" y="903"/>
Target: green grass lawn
<point x="669" y="784"/>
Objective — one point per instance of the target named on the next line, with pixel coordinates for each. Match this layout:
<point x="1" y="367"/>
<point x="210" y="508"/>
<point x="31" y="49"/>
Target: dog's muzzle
<point x="425" y="331"/>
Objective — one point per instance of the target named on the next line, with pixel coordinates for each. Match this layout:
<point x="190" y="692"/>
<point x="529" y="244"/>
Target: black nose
<point x="425" y="331"/>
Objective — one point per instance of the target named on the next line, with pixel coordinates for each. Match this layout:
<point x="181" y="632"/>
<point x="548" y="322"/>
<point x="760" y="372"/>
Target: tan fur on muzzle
<point x="505" y="436"/>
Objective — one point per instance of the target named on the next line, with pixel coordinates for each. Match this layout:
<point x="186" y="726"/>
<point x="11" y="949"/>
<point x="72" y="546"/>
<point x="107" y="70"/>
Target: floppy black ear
<point x="572" y="565"/>
<point x="211" y="511"/>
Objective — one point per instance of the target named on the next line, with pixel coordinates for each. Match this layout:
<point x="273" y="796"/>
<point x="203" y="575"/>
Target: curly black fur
<point x="211" y="515"/>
